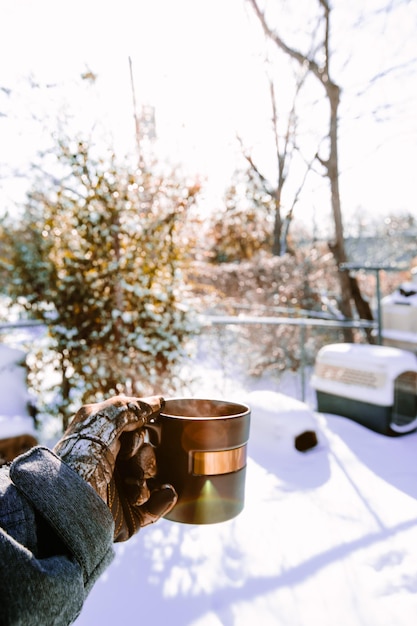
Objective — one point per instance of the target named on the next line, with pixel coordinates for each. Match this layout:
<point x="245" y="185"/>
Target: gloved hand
<point x="105" y="445"/>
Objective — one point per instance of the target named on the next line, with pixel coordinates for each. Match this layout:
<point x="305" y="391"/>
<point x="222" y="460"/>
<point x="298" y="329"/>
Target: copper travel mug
<point x="201" y="451"/>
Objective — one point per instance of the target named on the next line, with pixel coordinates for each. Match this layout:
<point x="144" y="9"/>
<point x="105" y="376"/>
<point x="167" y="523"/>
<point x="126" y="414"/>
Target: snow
<point x="326" y="537"/>
<point x="405" y="294"/>
<point x="14" y="418"/>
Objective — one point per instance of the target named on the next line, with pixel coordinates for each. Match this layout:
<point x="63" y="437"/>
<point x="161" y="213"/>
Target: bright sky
<point x="200" y="64"/>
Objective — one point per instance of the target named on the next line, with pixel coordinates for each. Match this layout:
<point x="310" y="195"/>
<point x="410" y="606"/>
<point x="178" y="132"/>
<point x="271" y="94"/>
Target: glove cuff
<point x="90" y="458"/>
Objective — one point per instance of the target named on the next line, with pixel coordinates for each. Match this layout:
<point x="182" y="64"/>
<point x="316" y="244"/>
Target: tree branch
<point x="301" y="58"/>
<point x="264" y="182"/>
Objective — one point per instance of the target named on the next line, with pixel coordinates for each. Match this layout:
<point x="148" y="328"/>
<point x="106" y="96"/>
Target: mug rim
<point x="242" y="409"/>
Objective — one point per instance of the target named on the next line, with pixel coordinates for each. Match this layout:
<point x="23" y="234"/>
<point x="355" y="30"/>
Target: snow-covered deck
<point x="326" y="537"/>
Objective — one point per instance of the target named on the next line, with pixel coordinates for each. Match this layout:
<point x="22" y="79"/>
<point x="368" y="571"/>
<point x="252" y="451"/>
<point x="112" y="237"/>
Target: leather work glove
<point x="105" y="445"/>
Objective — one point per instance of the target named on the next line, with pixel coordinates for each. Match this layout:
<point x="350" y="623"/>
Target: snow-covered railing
<point x="291" y="321"/>
<point x="302" y="322"/>
<point x="20" y="324"/>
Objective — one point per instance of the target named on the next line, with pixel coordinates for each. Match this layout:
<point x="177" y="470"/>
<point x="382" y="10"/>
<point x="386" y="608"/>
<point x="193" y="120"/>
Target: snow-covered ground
<point x="14" y="397"/>
<point x="327" y="537"/>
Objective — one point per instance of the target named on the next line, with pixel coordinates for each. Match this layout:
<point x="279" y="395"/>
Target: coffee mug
<point x="200" y="448"/>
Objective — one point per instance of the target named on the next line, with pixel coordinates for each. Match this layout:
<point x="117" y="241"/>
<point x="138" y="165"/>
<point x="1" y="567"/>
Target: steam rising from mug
<point x="201" y="451"/>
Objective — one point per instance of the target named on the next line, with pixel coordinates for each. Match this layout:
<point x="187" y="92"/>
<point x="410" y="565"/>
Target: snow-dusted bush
<point x="297" y="285"/>
<point x="98" y="255"/>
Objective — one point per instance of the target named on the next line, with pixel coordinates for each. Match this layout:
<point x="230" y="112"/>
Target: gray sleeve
<point x="49" y="587"/>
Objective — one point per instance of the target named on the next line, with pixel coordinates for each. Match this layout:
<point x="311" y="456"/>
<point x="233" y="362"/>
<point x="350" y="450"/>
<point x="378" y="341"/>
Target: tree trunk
<point x="349" y="288"/>
<point x="362" y="306"/>
<point x="332" y="167"/>
<point x="277" y="233"/>
<point x="348" y="284"/>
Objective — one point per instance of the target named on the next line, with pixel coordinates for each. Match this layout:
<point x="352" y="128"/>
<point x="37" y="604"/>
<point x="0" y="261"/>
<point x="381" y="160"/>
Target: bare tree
<point x="321" y="71"/>
<point x="284" y="139"/>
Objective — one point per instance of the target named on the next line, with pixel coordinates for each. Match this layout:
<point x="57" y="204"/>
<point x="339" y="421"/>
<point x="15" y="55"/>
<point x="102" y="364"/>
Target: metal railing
<point x="224" y="320"/>
<point x="302" y="322"/>
<point x="21" y="324"/>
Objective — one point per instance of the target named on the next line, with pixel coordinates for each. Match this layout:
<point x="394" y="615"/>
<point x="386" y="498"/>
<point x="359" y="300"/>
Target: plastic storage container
<point x="373" y="385"/>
